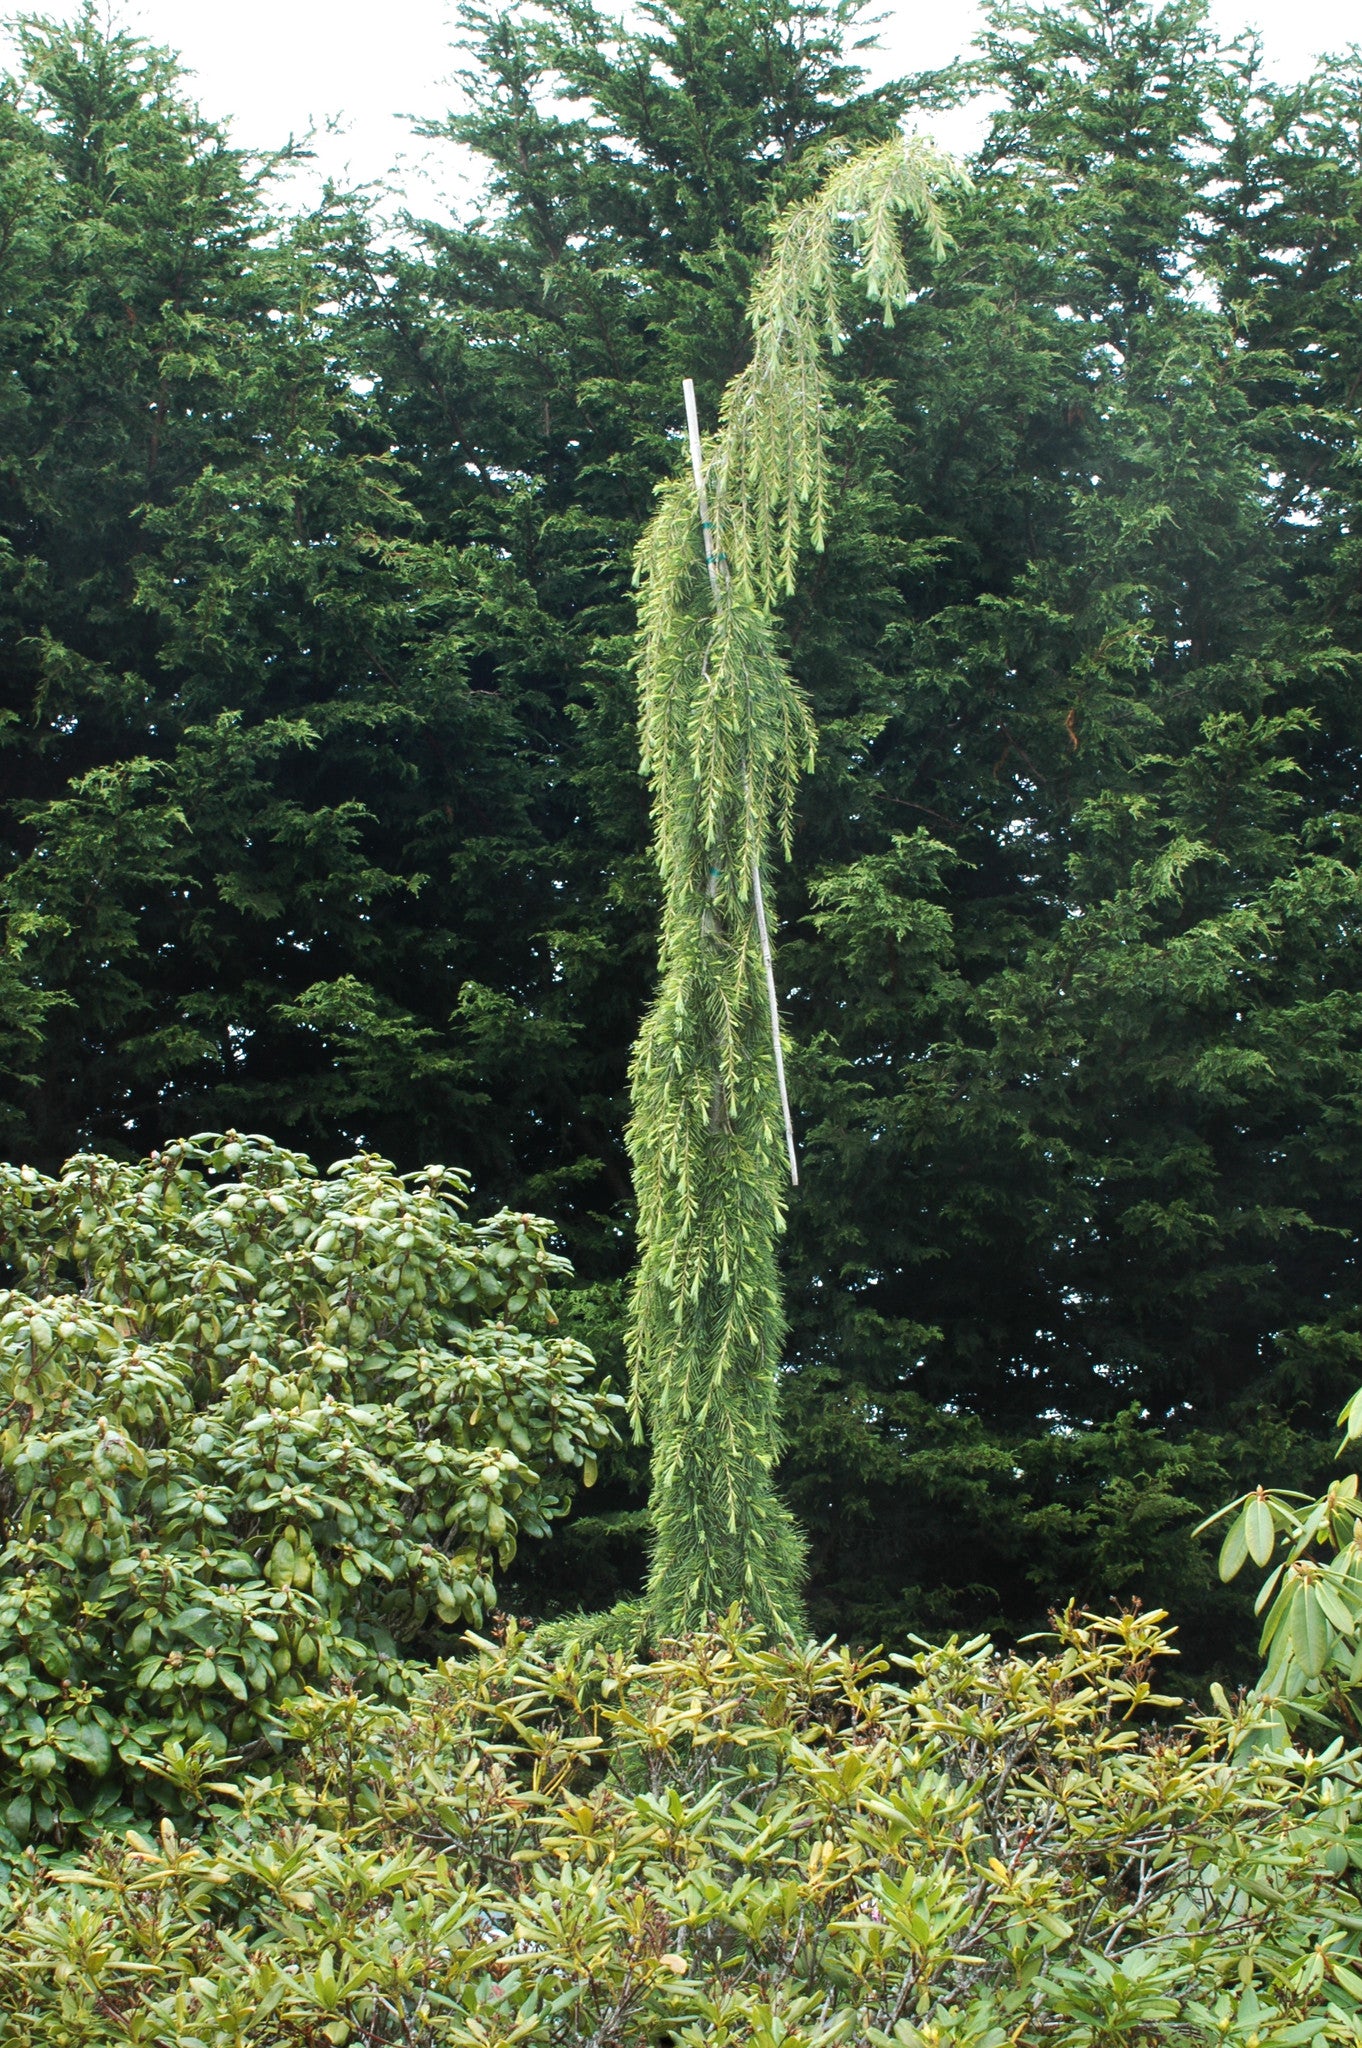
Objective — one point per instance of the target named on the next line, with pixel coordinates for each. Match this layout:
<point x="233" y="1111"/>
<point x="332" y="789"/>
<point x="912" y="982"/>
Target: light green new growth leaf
<point x="1259" y="1531"/>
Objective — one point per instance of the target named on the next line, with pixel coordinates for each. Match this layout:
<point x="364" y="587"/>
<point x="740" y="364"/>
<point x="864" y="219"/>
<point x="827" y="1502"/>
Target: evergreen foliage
<point x="528" y="360"/>
<point x="1079" y="986"/>
<point x="315" y="642"/>
<point x="258" y="1427"/>
<point x="1311" y="1601"/>
<point x="724" y="735"/>
<point x="734" y="1844"/>
<point x="208" y="583"/>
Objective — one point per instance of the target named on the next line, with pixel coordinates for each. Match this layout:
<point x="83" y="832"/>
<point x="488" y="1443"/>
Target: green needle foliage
<point x="725" y="733"/>
<point x="771" y="458"/>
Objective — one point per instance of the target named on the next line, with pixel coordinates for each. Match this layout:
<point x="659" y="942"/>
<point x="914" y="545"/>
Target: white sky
<point x="272" y="67"/>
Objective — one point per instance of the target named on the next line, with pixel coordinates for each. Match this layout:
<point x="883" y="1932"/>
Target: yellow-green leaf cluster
<point x="740" y="1842"/>
<point x="259" y="1426"/>
<point x="1311" y="1600"/>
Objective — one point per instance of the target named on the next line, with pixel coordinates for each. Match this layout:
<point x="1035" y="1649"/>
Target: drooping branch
<point x="771" y="455"/>
<point x="725" y="736"/>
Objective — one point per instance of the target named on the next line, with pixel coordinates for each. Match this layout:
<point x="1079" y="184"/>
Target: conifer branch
<point x="725" y="735"/>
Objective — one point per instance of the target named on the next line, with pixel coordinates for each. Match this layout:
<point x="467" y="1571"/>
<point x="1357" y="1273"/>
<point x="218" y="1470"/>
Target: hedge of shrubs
<point x="730" y="1843"/>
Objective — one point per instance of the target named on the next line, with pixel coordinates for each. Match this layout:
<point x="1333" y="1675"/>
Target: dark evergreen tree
<point x="529" y="366"/>
<point x="318" y="637"/>
<point x="319" y="794"/>
<point x="1080" y="987"/>
<point x="222" y="636"/>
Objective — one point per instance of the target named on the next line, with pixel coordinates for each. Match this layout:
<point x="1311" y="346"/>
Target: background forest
<point x="319" y="797"/>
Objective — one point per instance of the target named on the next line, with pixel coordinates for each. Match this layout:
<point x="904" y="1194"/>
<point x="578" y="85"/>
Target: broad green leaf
<point x="1265" y="1590"/>
<point x="1259" y="1531"/>
<point x="1310" y="1633"/>
<point x="91" y="1746"/>
<point x="1234" y="1549"/>
<point x="1335" y="1609"/>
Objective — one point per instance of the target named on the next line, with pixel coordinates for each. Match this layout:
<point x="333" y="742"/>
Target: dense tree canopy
<point x="319" y="794"/>
<point x="1082" y="959"/>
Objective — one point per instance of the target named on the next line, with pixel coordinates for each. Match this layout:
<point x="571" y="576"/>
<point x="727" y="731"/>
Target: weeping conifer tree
<point x="725" y="735"/>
